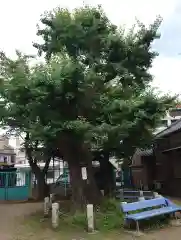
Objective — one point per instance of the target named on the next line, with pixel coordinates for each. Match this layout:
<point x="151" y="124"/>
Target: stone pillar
<point x="90" y="218"/>
<point x="55" y="215"/>
<point x="46" y="206"/>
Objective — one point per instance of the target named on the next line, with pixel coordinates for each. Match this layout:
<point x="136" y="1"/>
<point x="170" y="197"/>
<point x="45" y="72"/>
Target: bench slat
<point x="152" y="213"/>
<point x="126" y="208"/>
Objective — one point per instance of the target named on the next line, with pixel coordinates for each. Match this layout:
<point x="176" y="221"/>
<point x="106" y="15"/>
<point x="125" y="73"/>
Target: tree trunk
<point x="77" y="185"/>
<point x="77" y="155"/>
<point x="41" y="186"/>
<point x="107" y="175"/>
<point x="93" y="193"/>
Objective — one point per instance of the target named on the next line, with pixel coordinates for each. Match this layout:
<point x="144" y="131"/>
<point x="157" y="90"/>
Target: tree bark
<point x="42" y="189"/>
<point x="77" y="155"/>
<point x="107" y="174"/>
<point x="92" y="192"/>
<point x="77" y="185"/>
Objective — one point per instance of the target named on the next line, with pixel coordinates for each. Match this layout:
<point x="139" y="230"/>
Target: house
<point x="7" y="153"/>
<point x="171" y="116"/>
<point x="142" y="169"/>
<point x="144" y="162"/>
<point x="160" y="168"/>
<point x="167" y="150"/>
<point x="17" y="143"/>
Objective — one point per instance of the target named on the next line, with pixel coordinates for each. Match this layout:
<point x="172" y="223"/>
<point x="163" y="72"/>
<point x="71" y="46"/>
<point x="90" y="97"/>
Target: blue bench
<point x="160" y="206"/>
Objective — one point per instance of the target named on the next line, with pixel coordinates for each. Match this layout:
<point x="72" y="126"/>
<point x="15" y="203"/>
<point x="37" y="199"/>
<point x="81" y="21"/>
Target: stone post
<point x="156" y="195"/>
<point x="51" y="200"/>
<point x="55" y="215"/>
<point x="46" y="206"/>
<point x="90" y="218"/>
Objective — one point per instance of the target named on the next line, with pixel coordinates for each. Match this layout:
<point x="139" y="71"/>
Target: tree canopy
<point x="92" y="93"/>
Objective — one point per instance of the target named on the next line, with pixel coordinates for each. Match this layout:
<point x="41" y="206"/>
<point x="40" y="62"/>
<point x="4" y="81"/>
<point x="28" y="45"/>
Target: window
<point x="50" y="174"/>
<point x="13" y="159"/>
<point x="5" y="159"/>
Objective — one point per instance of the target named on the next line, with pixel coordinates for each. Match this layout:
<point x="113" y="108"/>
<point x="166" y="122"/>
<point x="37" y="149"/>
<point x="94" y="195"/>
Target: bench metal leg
<point x="175" y="220"/>
<point x="137" y="227"/>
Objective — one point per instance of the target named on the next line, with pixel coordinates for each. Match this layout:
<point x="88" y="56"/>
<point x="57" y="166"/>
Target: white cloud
<point x="18" y="21"/>
<point x="167" y="74"/>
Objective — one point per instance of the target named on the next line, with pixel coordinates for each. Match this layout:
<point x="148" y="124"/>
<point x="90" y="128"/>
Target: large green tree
<point x="17" y="117"/>
<point x="92" y="94"/>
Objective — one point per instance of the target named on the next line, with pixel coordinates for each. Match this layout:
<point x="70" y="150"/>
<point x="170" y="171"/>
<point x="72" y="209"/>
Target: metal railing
<point x="133" y="195"/>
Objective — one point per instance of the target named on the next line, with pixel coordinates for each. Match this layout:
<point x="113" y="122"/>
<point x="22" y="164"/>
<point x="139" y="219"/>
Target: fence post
<point x="156" y="195"/>
<point x="141" y="194"/>
<point x="141" y="199"/>
<point x="90" y="218"/>
<point x="51" y="200"/>
<point x="46" y="206"/>
<point x="55" y="215"/>
<point x="121" y="192"/>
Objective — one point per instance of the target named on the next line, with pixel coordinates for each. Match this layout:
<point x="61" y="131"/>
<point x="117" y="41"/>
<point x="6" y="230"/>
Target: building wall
<point x="143" y="172"/>
<point x="137" y="177"/>
<point x="137" y="171"/>
<point x="7" y="154"/>
<point x="168" y="164"/>
<point x="17" y="143"/>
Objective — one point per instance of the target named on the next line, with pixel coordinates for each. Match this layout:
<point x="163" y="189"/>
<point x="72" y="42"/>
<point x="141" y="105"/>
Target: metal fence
<point x="19" y="184"/>
<point x="133" y="195"/>
<point x="13" y="187"/>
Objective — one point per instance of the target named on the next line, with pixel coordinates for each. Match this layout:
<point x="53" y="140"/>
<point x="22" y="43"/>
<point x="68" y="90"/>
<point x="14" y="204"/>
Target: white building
<point x="55" y="170"/>
<point x="20" y="153"/>
<point x="171" y="116"/>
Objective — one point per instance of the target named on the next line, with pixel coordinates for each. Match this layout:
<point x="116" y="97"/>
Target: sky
<point x="18" y="20"/>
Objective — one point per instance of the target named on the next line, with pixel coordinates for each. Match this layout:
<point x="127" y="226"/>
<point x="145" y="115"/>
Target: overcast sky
<point x="18" y="19"/>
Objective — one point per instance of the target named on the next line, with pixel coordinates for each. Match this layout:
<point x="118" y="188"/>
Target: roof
<point x="174" y="127"/>
<point x="144" y="153"/>
<point x="140" y="153"/>
<point x="7" y="149"/>
<point x="178" y="106"/>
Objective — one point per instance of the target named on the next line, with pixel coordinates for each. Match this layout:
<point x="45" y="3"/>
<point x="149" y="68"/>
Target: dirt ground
<point x="167" y="233"/>
<point x="11" y="224"/>
<point x="11" y="215"/>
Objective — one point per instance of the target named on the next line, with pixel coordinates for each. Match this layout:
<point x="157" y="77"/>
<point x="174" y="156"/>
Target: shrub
<point x="107" y="217"/>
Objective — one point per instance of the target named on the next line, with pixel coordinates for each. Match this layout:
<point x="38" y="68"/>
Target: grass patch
<point x="107" y="217"/>
<point x="73" y="226"/>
